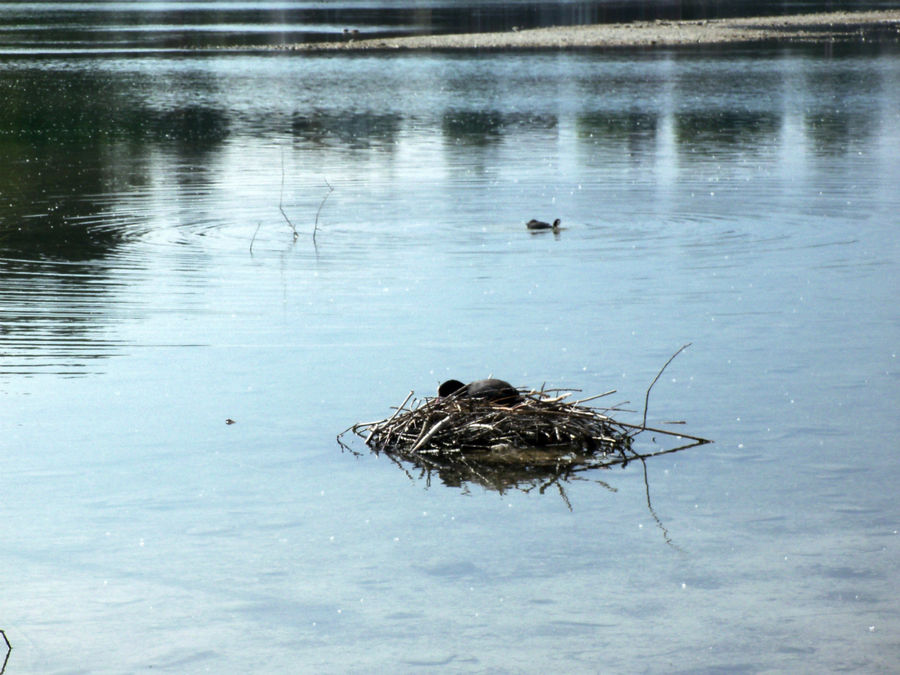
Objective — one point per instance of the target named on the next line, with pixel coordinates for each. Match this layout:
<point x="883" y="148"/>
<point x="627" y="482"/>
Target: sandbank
<point x="822" y="27"/>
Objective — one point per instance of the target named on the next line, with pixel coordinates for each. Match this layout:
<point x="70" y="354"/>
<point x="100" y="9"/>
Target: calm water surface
<point x="742" y="200"/>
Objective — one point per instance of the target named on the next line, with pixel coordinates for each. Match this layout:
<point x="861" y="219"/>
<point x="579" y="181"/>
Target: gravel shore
<point x="797" y="28"/>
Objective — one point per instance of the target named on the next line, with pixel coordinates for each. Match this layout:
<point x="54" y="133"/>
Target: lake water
<point x="743" y="200"/>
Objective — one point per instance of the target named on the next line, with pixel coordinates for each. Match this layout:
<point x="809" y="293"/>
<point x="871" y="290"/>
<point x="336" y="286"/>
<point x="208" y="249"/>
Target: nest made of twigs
<point x="533" y="442"/>
<point x="540" y="427"/>
<point x="502" y="438"/>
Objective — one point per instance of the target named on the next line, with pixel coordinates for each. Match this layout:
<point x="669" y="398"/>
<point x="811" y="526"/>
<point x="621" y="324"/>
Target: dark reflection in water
<point x="835" y="132"/>
<point x="708" y="133"/>
<point x="838" y="121"/>
<point x="47" y="210"/>
<point x="468" y="127"/>
<point x="483" y="127"/>
<point x="63" y="146"/>
<point x="53" y="156"/>
<point x="196" y="128"/>
<point x="351" y="129"/>
<point x="635" y="132"/>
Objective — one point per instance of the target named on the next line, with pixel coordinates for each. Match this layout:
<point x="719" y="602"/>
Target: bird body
<point x="493" y="390"/>
<point x="541" y="225"/>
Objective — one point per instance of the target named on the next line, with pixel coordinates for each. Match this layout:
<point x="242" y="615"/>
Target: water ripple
<point x="56" y="317"/>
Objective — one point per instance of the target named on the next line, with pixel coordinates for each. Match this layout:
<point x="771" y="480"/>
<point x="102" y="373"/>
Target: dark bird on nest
<point x="541" y="225"/>
<point x="493" y="390"/>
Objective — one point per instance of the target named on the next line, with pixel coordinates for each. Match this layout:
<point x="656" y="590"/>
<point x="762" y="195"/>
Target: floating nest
<point x="536" y="440"/>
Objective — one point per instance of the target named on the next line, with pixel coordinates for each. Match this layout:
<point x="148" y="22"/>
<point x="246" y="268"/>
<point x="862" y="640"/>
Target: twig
<point x="8" y="651"/>
<point x="258" y="225"/>
<point x="557" y="399"/>
<point x="666" y="432"/>
<point x="663" y="529"/>
<point x="324" y="199"/>
<point x="647" y="397"/>
<point x="344" y="446"/>
<point x="374" y="426"/>
<point x="281" y="202"/>
<point x="669" y="451"/>
<point x="422" y="441"/>
<point x="562" y="493"/>
<point x="591" y="398"/>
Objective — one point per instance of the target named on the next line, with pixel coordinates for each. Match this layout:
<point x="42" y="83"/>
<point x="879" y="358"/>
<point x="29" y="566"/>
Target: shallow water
<point x="150" y="288"/>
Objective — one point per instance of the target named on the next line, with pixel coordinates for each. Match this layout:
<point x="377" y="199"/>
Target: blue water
<point x="742" y="200"/>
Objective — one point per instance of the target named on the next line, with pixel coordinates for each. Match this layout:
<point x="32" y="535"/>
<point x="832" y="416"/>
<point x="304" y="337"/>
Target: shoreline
<point x="820" y="27"/>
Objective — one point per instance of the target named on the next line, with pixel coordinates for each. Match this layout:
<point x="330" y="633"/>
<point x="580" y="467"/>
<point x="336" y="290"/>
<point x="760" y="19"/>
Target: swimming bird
<point x="493" y="390"/>
<point x="541" y="225"/>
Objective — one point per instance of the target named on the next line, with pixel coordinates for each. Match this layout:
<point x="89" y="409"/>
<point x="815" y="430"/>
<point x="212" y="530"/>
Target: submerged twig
<point x="281" y="201"/>
<point x="659" y="523"/>
<point x="8" y="651"/>
<point x="258" y="225"/>
<point x="324" y="199"/>
<point x="638" y="428"/>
